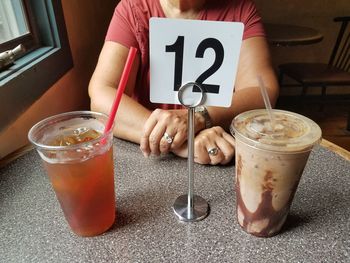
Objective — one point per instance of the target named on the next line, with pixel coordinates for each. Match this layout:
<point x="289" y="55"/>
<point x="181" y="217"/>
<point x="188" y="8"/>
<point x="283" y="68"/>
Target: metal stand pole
<point x="190" y="139"/>
<point x="190" y="207"/>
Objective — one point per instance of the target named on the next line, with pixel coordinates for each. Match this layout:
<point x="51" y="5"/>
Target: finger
<point x="179" y="125"/>
<point x="177" y="129"/>
<point x="229" y="138"/>
<point x="227" y="150"/>
<point x="164" y="119"/>
<point x="155" y="138"/>
<point x="217" y="157"/>
<point x="165" y="144"/>
<point x="201" y="155"/>
<point x="180" y="137"/>
<point x="147" y="129"/>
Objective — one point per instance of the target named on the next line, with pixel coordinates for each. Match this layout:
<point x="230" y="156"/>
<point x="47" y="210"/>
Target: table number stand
<point x="191" y="207"/>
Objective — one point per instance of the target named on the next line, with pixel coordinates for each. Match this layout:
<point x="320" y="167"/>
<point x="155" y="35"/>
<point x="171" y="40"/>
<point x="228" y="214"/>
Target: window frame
<point x="33" y="74"/>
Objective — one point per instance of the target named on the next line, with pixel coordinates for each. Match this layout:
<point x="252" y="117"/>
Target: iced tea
<point x="79" y="161"/>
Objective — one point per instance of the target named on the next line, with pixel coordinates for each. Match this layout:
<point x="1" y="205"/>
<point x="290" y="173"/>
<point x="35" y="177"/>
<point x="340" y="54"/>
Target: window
<point x="39" y="25"/>
<point x="17" y="25"/>
<point x="13" y="21"/>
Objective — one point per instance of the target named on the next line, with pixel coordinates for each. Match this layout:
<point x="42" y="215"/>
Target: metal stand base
<point x="200" y="208"/>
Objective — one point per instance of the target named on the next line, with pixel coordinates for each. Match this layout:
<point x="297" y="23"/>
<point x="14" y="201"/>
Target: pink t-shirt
<point x="130" y="27"/>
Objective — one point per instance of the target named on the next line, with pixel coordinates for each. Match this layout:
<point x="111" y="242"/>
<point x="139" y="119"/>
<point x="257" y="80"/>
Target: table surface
<point x="33" y="228"/>
<point x="291" y="35"/>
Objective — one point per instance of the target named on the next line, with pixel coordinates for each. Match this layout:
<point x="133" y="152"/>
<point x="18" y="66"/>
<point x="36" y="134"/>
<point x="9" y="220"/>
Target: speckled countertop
<point x="33" y="229"/>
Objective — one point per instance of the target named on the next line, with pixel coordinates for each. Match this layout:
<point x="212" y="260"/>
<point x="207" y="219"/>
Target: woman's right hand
<point x="160" y="125"/>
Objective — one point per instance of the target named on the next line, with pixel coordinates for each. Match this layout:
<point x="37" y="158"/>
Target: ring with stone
<point x="213" y="151"/>
<point x="168" y="138"/>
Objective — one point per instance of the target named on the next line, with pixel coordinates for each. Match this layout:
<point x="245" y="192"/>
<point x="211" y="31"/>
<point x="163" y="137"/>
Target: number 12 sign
<point x="205" y="52"/>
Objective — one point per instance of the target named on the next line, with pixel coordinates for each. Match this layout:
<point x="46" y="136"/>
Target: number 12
<point x="178" y="48"/>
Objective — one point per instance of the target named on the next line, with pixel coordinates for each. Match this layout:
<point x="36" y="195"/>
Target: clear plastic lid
<point x="291" y="132"/>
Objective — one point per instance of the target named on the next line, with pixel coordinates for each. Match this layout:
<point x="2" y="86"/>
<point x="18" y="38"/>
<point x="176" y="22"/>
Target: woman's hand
<point x="214" y="140"/>
<point x="163" y="131"/>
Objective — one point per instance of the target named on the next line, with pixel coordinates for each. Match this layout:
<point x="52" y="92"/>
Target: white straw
<point x="266" y="101"/>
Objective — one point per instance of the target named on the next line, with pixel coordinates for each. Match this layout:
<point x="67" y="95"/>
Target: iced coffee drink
<point x="270" y="159"/>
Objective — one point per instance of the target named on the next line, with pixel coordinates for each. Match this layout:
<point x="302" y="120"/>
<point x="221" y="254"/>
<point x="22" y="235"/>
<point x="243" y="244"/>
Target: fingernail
<point x="146" y="154"/>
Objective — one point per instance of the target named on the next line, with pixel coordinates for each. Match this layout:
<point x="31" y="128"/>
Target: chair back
<point x="340" y="57"/>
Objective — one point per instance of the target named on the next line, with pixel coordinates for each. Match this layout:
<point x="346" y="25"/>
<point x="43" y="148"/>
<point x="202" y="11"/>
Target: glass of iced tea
<point x="78" y="158"/>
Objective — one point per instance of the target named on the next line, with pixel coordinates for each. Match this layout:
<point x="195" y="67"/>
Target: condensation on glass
<point x="13" y="21"/>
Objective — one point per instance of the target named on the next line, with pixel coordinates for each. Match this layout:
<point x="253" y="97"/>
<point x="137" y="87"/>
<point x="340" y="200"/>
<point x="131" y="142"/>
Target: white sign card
<point x="206" y="52"/>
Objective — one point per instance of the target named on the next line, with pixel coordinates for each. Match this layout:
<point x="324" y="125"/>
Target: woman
<point x="163" y="128"/>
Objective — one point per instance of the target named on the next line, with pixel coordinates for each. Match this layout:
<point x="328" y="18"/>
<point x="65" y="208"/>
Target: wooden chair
<point x="335" y="73"/>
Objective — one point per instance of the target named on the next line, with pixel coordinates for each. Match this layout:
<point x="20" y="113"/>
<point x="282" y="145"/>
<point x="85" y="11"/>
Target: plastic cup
<point x="82" y="175"/>
<point x="269" y="165"/>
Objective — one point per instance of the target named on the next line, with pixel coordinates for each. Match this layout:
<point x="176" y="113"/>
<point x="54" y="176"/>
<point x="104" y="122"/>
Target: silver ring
<point x="213" y="151"/>
<point x="168" y="138"/>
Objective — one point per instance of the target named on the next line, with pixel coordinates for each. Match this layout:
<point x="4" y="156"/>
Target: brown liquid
<point x="265" y="187"/>
<point x="265" y="210"/>
<point x="84" y="188"/>
<point x="73" y="137"/>
<point x="269" y="164"/>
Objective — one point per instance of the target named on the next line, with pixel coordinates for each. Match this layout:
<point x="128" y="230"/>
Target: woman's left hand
<point x="211" y="146"/>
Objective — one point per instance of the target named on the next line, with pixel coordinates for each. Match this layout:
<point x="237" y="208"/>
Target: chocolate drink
<point x="269" y="164"/>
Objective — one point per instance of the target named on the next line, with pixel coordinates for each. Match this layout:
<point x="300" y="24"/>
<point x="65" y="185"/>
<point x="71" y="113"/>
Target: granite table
<point x="33" y="228"/>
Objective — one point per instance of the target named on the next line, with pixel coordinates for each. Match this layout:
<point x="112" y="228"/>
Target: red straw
<point x="121" y="87"/>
